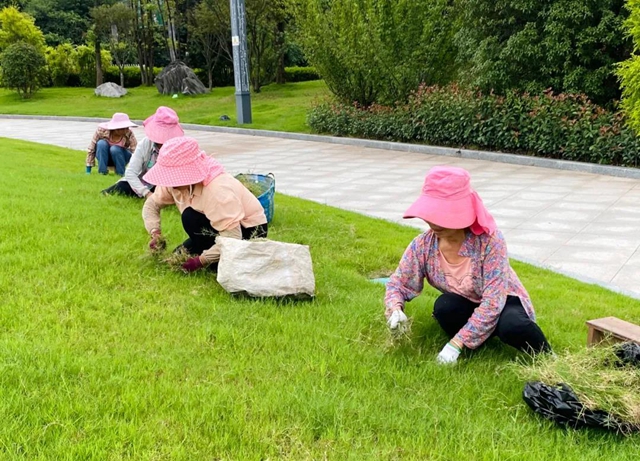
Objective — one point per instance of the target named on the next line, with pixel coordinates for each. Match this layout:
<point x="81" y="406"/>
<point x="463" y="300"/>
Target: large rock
<point x="177" y="77"/>
<point x="110" y="90"/>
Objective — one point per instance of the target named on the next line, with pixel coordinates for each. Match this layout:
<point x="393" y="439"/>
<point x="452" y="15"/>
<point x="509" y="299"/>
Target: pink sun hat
<point x="448" y="201"/>
<point x="118" y="121"/>
<point x="163" y="125"/>
<point x="182" y="163"/>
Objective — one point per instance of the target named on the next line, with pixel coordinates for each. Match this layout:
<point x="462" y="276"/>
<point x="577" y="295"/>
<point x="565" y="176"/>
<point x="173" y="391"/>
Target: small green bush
<point x="23" y="68"/>
<point x="87" y="64"/>
<point x="62" y="61"/>
<point x="301" y="74"/>
<point x="567" y="127"/>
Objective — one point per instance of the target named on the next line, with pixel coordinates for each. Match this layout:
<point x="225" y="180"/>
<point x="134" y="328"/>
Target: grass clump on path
<point x="276" y="107"/>
<point x="105" y="353"/>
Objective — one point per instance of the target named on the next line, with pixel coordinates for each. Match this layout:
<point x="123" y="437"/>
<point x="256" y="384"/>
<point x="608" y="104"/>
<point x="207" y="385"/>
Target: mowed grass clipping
<point x="276" y="107"/>
<point x="105" y="353"/>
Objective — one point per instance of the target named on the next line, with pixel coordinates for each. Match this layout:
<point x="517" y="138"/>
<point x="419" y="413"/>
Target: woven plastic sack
<point x="264" y="268"/>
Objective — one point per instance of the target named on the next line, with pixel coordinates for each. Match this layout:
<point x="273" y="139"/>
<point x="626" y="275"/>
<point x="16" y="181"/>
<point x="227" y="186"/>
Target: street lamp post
<point x="240" y="61"/>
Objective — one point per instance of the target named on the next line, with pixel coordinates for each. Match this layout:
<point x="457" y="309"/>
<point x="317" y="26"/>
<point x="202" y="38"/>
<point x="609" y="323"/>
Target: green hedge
<point x="132" y="76"/>
<point x="567" y="127"/>
<point x="301" y="74"/>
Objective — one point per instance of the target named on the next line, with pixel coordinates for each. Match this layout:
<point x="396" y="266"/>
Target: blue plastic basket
<point x="267" y="184"/>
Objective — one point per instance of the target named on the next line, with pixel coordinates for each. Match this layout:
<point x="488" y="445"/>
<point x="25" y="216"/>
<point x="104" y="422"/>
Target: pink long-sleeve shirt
<point x="493" y="280"/>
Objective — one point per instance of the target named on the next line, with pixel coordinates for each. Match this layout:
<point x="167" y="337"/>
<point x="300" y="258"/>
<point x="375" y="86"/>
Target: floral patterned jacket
<point x="493" y="280"/>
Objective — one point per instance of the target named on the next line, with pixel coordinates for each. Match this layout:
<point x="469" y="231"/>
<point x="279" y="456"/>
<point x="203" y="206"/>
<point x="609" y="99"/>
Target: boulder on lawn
<point x="110" y="90"/>
<point x="177" y="77"/>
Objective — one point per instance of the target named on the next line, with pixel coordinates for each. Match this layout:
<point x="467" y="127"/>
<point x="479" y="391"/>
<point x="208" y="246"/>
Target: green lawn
<point x="106" y="354"/>
<point x="277" y="107"/>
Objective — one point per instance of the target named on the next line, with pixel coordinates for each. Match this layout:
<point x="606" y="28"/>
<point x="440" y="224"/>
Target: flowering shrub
<point x="563" y="126"/>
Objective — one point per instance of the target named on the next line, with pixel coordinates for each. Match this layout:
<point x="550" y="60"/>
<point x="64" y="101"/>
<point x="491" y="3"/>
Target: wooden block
<point x="612" y="328"/>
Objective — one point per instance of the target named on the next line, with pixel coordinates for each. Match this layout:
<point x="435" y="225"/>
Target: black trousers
<point x="514" y="328"/>
<point x="202" y="235"/>
<point x="122" y="188"/>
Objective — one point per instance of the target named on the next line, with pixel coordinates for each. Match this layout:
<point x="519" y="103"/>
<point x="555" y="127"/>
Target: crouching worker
<point x="112" y="144"/>
<point x="464" y="256"/>
<point x="158" y="128"/>
<point x="211" y="202"/>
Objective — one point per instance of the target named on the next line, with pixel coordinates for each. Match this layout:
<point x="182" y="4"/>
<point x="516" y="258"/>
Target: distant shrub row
<point x="562" y="126"/>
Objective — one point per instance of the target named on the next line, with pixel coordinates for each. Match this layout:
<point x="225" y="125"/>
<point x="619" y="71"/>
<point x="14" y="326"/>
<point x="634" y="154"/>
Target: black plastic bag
<point x="560" y="404"/>
<point x="628" y="353"/>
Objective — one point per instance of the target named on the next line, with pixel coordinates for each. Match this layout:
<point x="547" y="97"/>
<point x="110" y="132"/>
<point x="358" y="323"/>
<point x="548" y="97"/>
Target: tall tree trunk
<point x="281" y="77"/>
<point x="99" y="78"/>
<point x="122" y="77"/>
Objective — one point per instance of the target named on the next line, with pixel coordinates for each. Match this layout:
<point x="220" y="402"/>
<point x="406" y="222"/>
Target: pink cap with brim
<point x="180" y="163"/>
<point x="163" y="125"/>
<point x="448" y="201"/>
<point x="117" y="122"/>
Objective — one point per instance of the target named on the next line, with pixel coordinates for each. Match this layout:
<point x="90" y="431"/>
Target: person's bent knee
<point x="115" y="151"/>
<point x="445" y="305"/>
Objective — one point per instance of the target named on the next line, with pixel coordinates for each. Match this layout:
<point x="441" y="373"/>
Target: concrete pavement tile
<point x="607" y="198"/>
<point x="531" y="252"/>
<point x="592" y="255"/>
<point x="554" y="214"/>
<point x="604" y="242"/>
<point x="600" y="272"/>
<point x="622" y="229"/>
<point x="527" y="195"/>
<point x="552" y="225"/>
<point x="628" y="279"/>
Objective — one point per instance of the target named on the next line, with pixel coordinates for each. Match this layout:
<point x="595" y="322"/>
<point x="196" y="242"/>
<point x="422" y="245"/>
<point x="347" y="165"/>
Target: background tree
<point x="378" y="51"/>
<point x="168" y="16"/>
<point x="61" y="21"/>
<point x="568" y="45"/>
<point x="262" y="19"/>
<point x="114" y="25"/>
<point x="23" y="68"/>
<point x="62" y="61"/>
<point x="210" y="30"/>
<point x="629" y="70"/>
<point x="19" y="27"/>
<point x="144" y="29"/>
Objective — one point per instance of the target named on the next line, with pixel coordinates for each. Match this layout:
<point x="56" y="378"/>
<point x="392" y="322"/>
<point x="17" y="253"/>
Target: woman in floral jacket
<point x="464" y="256"/>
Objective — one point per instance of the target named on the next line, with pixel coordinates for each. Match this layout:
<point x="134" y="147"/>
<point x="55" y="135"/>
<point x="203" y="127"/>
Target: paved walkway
<point x="580" y="224"/>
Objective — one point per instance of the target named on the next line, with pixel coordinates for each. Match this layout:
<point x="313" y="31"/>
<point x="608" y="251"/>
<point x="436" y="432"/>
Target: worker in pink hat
<point x="158" y="128"/>
<point x="211" y="202"/>
<point x="464" y="256"/>
<point x="112" y="143"/>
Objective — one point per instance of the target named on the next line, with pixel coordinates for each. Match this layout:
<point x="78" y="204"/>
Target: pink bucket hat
<point x="448" y="201"/>
<point x="118" y="121"/>
<point x="182" y="163"/>
<point x="163" y="125"/>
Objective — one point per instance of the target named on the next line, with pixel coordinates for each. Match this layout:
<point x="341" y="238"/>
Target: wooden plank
<point x="613" y="326"/>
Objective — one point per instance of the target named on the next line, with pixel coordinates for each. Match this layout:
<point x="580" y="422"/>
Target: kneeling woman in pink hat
<point x="112" y="143"/>
<point x="464" y="256"/>
<point x="211" y="202"/>
<point x="159" y="128"/>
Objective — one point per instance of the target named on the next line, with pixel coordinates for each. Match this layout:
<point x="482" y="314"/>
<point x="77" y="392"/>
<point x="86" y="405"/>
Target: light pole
<point x="240" y="61"/>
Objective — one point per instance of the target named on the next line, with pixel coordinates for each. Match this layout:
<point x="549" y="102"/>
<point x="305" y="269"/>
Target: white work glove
<point x="448" y="355"/>
<point x="397" y="320"/>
